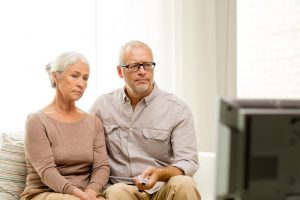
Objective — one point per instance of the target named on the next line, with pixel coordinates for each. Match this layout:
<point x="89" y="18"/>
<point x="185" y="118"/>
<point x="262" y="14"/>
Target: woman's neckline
<point x="83" y="116"/>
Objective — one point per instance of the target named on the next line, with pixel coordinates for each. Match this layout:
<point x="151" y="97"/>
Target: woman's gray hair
<point x="62" y="61"/>
<point x="133" y="43"/>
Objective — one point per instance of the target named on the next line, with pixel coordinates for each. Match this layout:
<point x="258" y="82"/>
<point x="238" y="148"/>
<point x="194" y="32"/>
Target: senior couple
<point x="137" y="142"/>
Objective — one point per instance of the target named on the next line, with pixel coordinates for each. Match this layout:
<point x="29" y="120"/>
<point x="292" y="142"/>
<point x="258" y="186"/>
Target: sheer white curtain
<point x="205" y="33"/>
<point x="120" y="21"/>
<point x="33" y="32"/>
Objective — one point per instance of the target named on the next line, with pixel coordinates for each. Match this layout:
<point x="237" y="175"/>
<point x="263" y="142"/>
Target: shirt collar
<point x="125" y="99"/>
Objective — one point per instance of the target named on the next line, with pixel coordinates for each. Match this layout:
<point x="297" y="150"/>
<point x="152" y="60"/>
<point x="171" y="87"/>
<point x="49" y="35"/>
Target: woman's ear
<point x="54" y="77"/>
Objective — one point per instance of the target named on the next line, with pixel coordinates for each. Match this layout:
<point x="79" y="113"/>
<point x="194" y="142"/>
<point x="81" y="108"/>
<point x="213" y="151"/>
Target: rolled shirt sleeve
<point x="184" y="144"/>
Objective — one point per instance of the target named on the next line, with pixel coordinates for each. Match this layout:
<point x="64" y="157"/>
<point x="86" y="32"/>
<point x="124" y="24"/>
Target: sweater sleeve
<point x="39" y="153"/>
<point x="100" y="168"/>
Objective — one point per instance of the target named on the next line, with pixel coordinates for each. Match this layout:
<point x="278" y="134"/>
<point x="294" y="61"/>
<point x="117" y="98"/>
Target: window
<point x="268" y="49"/>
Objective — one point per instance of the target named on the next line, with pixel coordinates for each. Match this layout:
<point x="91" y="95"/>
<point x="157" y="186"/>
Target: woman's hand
<point x="80" y="194"/>
<point x="91" y="194"/>
<point x="88" y="194"/>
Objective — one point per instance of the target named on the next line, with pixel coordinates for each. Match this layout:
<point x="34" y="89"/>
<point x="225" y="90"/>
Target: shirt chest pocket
<point x="113" y="140"/>
<point x="154" y="134"/>
<point x="157" y="141"/>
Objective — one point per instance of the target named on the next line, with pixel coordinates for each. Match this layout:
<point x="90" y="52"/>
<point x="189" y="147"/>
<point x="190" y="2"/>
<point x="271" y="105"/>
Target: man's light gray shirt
<point x="159" y="132"/>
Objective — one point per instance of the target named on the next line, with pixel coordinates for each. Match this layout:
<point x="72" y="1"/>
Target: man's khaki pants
<point x="177" y="188"/>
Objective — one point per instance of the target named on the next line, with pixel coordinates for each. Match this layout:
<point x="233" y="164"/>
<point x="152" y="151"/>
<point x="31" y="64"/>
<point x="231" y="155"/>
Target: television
<point x="258" y="151"/>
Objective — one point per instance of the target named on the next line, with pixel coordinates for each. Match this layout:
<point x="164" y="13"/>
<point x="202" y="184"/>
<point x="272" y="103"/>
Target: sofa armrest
<point x="205" y="175"/>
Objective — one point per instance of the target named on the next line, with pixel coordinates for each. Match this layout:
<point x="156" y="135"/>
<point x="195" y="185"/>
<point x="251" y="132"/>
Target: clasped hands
<point x="88" y="194"/>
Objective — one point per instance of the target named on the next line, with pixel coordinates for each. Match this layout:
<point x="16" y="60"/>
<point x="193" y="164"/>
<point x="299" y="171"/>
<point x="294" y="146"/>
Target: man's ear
<point x="119" y="69"/>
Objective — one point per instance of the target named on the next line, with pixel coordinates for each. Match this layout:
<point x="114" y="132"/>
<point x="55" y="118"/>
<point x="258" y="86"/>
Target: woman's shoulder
<point x="37" y="115"/>
<point x="93" y="117"/>
<point x="35" y="121"/>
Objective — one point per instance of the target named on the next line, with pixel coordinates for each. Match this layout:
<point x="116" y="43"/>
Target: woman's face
<point x="72" y="83"/>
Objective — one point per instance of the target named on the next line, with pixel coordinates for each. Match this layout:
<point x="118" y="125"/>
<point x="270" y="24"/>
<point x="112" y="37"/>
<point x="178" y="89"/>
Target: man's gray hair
<point x="133" y="43"/>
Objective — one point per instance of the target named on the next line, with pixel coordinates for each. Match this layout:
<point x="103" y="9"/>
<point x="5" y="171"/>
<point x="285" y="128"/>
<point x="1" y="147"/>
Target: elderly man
<point x="150" y="134"/>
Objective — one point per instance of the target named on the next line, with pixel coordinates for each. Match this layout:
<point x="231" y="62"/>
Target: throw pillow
<point x="13" y="169"/>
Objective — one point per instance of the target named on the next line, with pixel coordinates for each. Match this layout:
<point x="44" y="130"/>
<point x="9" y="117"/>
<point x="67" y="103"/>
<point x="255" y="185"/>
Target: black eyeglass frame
<point x="135" y="68"/>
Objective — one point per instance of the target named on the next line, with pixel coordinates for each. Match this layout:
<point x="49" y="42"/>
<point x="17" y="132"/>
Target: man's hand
<point x="153" y="175"/>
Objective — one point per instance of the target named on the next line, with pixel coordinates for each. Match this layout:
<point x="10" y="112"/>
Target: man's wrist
<point x="168" y="172"/>
<point x="180" y="169"/>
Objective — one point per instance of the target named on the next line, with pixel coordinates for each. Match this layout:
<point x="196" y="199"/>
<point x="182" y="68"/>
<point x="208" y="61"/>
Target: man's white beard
<point x="141" y="88"/>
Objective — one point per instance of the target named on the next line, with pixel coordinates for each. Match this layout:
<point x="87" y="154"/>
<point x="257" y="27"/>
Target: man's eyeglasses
<point x="134" y="67"/>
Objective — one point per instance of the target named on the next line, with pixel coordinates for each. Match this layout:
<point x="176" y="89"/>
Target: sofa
<point x="13" y="168"/>
<point x="205" y="176"/>
<point x="12" y="165"/>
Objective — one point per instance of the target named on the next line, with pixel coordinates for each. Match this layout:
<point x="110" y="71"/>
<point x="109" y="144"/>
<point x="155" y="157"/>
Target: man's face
<point x="138" y="83"/>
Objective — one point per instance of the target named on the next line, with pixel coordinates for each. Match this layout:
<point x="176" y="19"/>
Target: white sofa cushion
<point x="12" y="168"/>
<point x="205" y="175"/>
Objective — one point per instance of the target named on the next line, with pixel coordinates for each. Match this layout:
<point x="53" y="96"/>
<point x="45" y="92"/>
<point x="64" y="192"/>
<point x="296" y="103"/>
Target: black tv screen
<point x="258" y="156"/>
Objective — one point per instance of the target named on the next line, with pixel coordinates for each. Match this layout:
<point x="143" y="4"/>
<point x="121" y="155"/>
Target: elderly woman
<point x="65" y="146"/>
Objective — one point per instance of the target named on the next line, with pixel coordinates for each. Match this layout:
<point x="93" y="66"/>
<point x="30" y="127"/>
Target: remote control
<point x="143" y="181"/>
